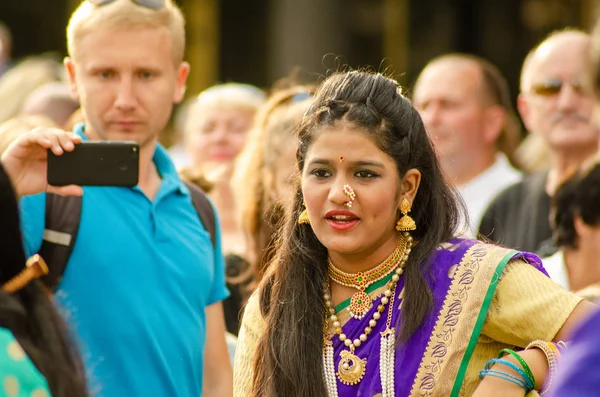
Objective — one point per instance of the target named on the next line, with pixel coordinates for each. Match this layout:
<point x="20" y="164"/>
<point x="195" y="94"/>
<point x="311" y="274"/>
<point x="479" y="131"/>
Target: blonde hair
<point x="224" y="96"/>
<point x="229" y="96"/>
<point x="275" y="128"/>
<point x="11" y="129"/>
<point x="126" y="14"/>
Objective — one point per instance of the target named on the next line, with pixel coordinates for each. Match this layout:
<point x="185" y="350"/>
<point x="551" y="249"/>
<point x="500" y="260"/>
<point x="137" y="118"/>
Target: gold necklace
<point x="361" y="303"/>
<point x="351" y="368"/>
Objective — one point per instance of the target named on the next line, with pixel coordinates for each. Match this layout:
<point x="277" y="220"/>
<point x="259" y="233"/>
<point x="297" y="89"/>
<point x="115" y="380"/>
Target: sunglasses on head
<point x="553" y="87"/>
<point x="153" y="4"/>
<point x="300" y="97"/>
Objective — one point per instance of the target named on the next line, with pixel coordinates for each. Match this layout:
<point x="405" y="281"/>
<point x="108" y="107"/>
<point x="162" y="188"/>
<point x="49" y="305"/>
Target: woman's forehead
<point x="354" y="144"/>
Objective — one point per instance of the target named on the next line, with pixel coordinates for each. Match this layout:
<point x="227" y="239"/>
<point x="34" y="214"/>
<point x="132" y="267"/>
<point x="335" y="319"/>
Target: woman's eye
<point x="320" y="173"/>
<point x="365" y="174"/>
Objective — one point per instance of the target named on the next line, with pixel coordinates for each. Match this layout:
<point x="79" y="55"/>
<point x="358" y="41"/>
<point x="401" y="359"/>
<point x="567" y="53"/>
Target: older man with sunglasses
<point x="556" y="102"/>
<point x="144" y="282"/>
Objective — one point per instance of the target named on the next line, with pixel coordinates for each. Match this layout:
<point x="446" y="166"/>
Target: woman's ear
<point x="410" y="185"/>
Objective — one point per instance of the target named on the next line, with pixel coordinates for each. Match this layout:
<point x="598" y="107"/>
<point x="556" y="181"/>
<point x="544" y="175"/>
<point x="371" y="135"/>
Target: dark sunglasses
<point x="553" y="87"/>
<point x="153" y="4"/>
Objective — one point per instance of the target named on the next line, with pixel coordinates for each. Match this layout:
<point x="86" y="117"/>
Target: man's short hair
<point x="578" y="196"/>
<point x="523" y="81"/>
<point x="126" y="14"/>
<point x="494" y="92"/>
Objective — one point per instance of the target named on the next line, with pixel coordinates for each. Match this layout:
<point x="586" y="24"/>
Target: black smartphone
<point x="96" y="163"/>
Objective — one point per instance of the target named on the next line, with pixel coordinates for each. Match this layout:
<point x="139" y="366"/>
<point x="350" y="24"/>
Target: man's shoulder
<point x="532" y="184"/>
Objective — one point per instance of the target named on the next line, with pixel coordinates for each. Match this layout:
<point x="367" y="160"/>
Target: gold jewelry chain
<point x="362" y="280"/>
<point x="351" y="368"/>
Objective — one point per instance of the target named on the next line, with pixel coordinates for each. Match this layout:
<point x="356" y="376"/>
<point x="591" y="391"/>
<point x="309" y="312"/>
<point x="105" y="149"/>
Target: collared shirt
<point x="479" y="192"/>
<point x="135" y="290"/>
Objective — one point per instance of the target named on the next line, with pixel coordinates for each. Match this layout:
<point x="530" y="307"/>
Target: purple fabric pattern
<point x="409" y="355"/>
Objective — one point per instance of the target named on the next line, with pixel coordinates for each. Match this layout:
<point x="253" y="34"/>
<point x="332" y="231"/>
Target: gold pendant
<point x="360" y="304"/>
<point x="351" y="368"/>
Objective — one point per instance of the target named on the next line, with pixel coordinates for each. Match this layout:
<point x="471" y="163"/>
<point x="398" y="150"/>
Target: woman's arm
<point x="528" y="306"/>
<point x="581" y="312"/>
<point x="492" y="387"/>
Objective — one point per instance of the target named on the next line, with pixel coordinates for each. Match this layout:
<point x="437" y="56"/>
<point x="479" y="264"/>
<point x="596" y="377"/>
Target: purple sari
<point x="465" y="274"/>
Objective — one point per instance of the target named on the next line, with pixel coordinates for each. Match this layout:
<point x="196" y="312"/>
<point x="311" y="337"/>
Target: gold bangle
<point x="552" y="358"/>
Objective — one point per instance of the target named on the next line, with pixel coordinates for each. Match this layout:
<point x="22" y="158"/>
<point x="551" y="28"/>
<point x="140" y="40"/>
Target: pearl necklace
<point x="360" y="303"/>
<point x="351" y="369"/>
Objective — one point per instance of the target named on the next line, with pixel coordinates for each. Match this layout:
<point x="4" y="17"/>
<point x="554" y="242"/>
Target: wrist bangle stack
<point x="552" y="353"/>
<point x="523" y="364"/>
<point x="523" y="381"/>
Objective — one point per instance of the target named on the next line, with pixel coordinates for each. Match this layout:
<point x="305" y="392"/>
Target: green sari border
<point x="342" y="305"/>
<point x="462" y="370"/>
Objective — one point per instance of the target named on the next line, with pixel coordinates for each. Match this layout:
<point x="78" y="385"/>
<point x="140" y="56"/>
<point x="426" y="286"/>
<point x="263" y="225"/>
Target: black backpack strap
<point x="63" y="214"/>
<point x="204" y="208"/>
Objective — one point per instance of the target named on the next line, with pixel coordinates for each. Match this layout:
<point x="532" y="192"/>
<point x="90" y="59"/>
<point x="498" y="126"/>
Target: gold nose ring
<point x="348" y="191"/>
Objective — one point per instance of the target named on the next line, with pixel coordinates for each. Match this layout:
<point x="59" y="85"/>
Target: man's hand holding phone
<point x="26" y="159"/>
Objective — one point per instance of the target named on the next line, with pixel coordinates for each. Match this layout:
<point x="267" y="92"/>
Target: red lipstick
<point x="341" y="220"/>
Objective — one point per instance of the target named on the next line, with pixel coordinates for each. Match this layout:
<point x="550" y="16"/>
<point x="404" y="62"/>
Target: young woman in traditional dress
<point x="370" y="293"/>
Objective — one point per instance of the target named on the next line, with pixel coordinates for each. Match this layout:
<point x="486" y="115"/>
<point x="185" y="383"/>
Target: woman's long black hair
<point x="289" y="355"/>
<point x="30" y="314"/>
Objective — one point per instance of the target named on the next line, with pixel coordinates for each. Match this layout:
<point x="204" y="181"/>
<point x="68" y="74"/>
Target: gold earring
<point x="303" y="218"/>
<point x="405" y="223"/>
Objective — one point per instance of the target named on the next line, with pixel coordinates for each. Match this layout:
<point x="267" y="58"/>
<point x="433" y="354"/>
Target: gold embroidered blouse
<point x="526" y="306"/>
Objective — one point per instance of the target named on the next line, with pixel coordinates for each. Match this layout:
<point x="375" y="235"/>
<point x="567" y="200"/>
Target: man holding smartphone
<point x="144" y="284"/>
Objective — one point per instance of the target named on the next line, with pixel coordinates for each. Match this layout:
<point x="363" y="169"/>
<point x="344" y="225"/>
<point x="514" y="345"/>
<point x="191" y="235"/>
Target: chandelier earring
<point x="303" y="218"/>
<point x="405" y="223"/>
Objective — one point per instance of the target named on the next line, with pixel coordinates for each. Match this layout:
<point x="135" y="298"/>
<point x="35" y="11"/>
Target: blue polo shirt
<point x="136" y="285"/>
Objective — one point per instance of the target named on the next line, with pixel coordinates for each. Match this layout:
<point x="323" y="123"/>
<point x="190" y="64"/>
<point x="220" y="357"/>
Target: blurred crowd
<point x="533" y="189"/>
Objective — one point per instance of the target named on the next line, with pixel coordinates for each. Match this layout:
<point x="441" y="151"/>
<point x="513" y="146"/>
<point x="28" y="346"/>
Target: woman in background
<point x="263" y="185"/>
<point x="217" y="127"/>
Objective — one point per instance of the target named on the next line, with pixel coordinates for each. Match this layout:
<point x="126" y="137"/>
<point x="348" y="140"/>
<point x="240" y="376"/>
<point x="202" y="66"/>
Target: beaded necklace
<point x="351" y="369"/>
<point x="361" y="303"/>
